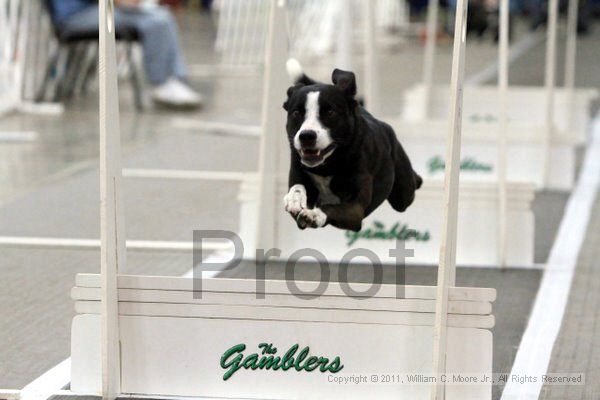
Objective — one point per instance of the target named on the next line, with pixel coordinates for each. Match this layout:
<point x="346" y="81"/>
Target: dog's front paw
<point x="314" y="218"/>
<point x="295" y="200"/>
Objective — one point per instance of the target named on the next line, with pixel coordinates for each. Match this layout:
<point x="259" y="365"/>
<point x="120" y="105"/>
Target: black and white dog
<point x="345" y="162"/>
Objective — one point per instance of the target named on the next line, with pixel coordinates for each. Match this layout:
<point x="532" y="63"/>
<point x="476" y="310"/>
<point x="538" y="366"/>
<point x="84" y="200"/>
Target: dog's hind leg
<point x="401" y="197"/>
<point x="406" y="182"/>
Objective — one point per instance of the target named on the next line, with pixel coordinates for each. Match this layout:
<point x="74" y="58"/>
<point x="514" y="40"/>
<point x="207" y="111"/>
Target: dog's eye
<point x="296" y="114"/>
<point x="331" y="113"/>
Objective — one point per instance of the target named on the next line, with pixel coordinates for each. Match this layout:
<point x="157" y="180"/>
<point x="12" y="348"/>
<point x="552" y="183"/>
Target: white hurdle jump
<point x="497" y="222"/>
<point x="544" y="126"/>
<point x="140" y="335"/>
<point x="493" y="154"/>
<point x="420" y="227"/>
<point x="181" y="340"/>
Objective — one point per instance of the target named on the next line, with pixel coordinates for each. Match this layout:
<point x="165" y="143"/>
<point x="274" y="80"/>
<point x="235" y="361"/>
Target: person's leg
<point x="179" y="66"/>
<point x="163" y="58"/>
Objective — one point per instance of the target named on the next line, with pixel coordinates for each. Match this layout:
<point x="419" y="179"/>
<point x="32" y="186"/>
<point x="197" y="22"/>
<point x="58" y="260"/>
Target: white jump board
<point x="277" y="287"/>
<point x="526" y="104"/>
<point x="89" y="298"/>
<point x="419" y="227"/>
<point x="171" y="354"/>
<point x="425" y="143"/>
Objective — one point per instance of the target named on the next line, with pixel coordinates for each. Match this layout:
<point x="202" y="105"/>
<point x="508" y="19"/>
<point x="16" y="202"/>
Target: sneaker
<point x="176" y="94"/>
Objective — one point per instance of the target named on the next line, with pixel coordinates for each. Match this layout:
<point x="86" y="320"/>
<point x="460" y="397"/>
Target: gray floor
<point x="35" y="298"/>
<point x="50" y="187"/>
<point x="548" y="207"/>
<point x="577" y="348"/>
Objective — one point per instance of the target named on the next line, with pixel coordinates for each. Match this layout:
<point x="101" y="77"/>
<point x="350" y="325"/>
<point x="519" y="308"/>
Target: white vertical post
<point x="4" y="79"/>
<point x="570" y="58"/>
<point x="371" y="62"/>
<point x="550" y="84"/>
<point x="429" y="59"/>
<point x="502" y="131"/>
<point x="344" y="39"/>
<point x="112" y="233"/>
<point x="21" y="46"/>
<point x="8" y="42"/>
<point x="447" y="267"/>
<point x="13" y="18"/>
<point x="273" y="125"/>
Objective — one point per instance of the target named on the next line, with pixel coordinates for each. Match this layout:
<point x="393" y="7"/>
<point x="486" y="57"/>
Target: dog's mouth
<point x="313" y="157"/>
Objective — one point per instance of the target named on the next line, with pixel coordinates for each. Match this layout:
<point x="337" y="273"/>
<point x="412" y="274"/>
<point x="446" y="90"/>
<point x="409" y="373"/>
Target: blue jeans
<point x="158" y="32"/>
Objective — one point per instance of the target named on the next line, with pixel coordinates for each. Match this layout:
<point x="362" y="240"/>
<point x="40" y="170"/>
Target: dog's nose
<point x="307" y="136"/>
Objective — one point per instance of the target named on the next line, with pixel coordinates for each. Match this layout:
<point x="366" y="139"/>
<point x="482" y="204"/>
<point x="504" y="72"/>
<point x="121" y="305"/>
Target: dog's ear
<point x="345" y="81"/>
<point x="291" y="91"/>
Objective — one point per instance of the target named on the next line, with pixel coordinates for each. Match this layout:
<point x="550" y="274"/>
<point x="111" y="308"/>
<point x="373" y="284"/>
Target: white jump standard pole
<point x="371" y="61"/>
<point x="447" y="265"/>
<point x="570" y="58"/>
<point x="273" y="122"/>
<point x="344" y="37"/>
<point x="502" y="132"/>
<point x="429" y="60"/>
<point x="550" y="84"/>
<point x="112" y="232"/>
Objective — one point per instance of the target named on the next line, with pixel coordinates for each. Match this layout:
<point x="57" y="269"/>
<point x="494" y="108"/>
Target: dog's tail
<point x="296" y="73"/>
<point x="418" y="180"/>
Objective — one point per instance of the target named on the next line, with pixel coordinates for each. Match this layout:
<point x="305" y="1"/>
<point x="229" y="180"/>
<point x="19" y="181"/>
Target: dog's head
<point x="321" y="118"/>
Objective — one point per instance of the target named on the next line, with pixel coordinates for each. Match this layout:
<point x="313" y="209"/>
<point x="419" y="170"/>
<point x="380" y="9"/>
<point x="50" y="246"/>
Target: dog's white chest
<point x="322" y="183"/>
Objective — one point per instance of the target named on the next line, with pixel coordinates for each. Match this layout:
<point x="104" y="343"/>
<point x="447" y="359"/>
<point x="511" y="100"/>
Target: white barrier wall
<point x="420" y="226"/>
<point x="424" y="142"/>
<point x="165" y="354"/>
<point x="525" y="105"/>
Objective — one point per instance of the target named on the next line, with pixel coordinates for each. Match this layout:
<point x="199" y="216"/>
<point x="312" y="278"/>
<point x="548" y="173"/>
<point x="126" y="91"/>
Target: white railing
<point x="314" y="29"/>
<point x="23" y="44"/>
<point x="11" y="24"/>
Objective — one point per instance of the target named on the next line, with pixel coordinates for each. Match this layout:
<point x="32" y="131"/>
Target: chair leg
<point x="87" y="68"/>
<point x="135" y="78"/>
<point x="61" y="71"/>
<point x="92" y="68"/>
<point x="51" y="66"/>
<point x="75" y="69"/>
